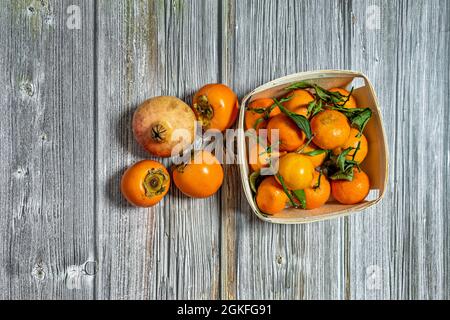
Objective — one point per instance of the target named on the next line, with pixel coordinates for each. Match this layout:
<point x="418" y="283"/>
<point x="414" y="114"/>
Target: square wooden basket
<point x="375" y="164"/>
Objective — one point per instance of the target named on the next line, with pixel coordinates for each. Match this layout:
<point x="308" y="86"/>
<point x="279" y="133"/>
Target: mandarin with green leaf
<point x="296" y="170"/>
<point x="258" y="112"/>
<point x="271" y="198"/>
<point x="261" y="157"/>
<point x="290" y="135"/>
<point x="299" y="101"/>
<point x="359" y="144"/>
<point x="314" y="153"/>
<point x="330" y="128"/>
<point x="318" y="192"/>
<point x="351" y="192"/>
<point x="348" y="100"/>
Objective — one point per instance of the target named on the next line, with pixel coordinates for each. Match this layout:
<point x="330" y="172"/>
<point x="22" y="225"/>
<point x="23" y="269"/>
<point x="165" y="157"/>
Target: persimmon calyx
<point x="155" y="182"/>
<point x="204" y="111"/>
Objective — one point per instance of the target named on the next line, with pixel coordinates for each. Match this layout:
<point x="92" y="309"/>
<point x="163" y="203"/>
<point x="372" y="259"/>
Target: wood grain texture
<point x="231" y="192"/>
<point x="269" y="39"/>
<point x="171" y="251"/>
<point x="399" y="249"/>
<point x="67" y="100"/>
<point x="47" y="151"/>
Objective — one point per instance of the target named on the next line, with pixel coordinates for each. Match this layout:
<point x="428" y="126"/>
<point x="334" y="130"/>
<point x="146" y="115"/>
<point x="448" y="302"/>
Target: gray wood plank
<point x="399" y="249"/>
<point x="47" y="162"/>
<point x="265" y="40"/>
<point x="65" y="139"/>
<point x="231" y="192"/>
<point x="147" y="49"/>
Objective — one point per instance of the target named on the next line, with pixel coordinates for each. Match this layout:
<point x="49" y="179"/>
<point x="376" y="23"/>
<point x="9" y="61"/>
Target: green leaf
<point x="286" y="191"/>
<point x="318" y="108"/>
<point x="299" y="120"/>
<point x="298" y="194"/>
<point x="340" y="168"/>
<point x="344" y="167"/>
<point x="358" y="147"/>
<point x="339" y="99"/>
<point x="341" y="161"/>
<point x="299" y="85"/>
<point x="258" y="110"/>
<point x="255" y="180"/>
<point x="361" y="119"/>
<point x="334" y="98"/>
<point x="314" y="107"/>
<point x="318" y="180"/>
<point x="311" y="107"/>
<point x="358" y="117"/>
<point x="347" y="97"/>
<point x="330" y="98"/>
<point x="266" y="111"/>
<point x="343" y="175"/>
<point x="349" y="113"/>
<point x="301" y="197"/>
<point x="315" y="152"/>
<point x="322" y="93"/>
<point x="257" y="122"/>
<point x="283" y="100"/>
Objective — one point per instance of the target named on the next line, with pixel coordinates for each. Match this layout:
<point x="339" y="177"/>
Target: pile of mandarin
<point x="319" y="149"/>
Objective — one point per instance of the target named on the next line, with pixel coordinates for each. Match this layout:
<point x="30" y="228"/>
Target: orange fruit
<point x="201" y="177"/>
<point x="296" y="170"/>
<point x="264" y="103"/>
<point x="353" y="141"/>
<point x="252" y="120"/>
<point x="303" y="111"/>
<point x="259" y="157"/>
<point x="290" y="136"/>
<point x="270" y="197"/>
<point x="145" y="183"/>
<point x="330" y="129"/>
<point x="351" y="192"/>
<point x="216" y="106"/>
<point x="252" y="117"/>
<point x="351" y="103"/>
<point x="318" y="193"/>
<point x="299" y="102"/>
<point x="316" y="160"/>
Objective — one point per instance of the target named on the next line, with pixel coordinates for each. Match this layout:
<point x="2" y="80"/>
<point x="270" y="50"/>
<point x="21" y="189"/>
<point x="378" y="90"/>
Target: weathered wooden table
<point x="71" y="74"/>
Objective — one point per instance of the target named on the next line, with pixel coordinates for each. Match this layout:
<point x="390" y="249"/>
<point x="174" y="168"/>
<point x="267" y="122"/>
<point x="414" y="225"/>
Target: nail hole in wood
<point x="38" y="272"/>
<point x="31" y="10"/>
<point x="279" y="259"/>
